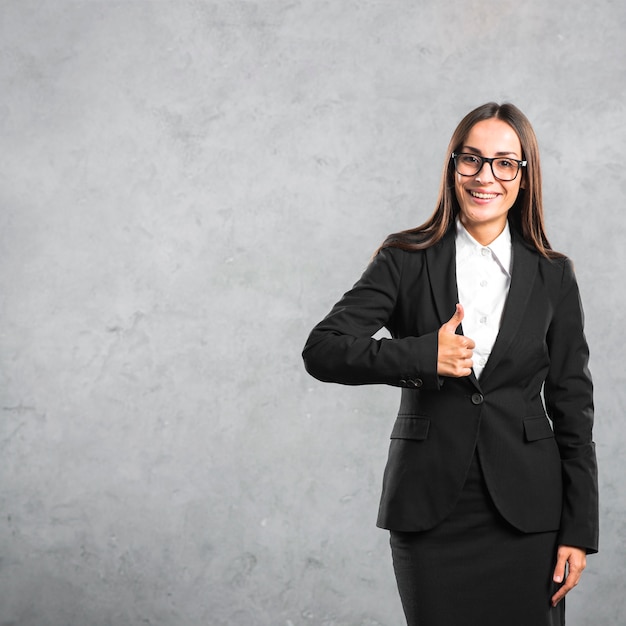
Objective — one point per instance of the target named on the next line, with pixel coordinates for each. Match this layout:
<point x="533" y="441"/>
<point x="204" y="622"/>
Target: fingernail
<point x="557" y="579"/>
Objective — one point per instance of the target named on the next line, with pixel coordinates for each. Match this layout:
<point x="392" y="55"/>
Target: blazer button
<point x="477" y="398"/>
<point x="415" y="382"/>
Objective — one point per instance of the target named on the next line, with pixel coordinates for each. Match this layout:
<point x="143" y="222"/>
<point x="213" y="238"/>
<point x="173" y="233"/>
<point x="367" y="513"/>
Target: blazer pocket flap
<point x="410" y="428"/>
<point x="537" y="428"/>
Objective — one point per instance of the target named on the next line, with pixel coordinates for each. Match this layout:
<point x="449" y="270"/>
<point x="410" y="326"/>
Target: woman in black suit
<point x="490" y="489"/>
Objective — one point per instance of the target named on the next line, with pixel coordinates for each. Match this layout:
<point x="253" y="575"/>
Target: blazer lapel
<point x="441" y="264"/>
<point x="440" y="260"/>
<point x="522" y="279"/>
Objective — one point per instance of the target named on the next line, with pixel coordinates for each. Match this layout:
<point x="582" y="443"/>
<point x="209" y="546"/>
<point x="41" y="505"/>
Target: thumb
<point x="453" y="323"/>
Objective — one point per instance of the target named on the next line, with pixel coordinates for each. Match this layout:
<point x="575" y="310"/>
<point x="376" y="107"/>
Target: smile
<point x="483" y="196"/>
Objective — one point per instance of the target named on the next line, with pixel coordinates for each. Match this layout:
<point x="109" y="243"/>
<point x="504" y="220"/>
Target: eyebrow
<point x="497" y="153"/>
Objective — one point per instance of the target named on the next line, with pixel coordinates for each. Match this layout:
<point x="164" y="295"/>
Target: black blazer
<point x="541" y="474"/>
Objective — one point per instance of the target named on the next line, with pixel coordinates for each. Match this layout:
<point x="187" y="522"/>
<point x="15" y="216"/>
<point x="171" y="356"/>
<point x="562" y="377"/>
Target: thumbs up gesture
<point x="454" y="355"/>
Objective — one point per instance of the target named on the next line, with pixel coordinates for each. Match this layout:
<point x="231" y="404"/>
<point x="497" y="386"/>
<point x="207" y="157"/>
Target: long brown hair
<point x="526" y="214"/>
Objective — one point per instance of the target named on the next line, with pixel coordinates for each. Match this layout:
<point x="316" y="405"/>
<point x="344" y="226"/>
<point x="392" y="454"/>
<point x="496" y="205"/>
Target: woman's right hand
<point x="454" y="354"/>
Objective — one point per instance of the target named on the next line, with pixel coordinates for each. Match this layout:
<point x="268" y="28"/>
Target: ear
<point x="522" y="184"/>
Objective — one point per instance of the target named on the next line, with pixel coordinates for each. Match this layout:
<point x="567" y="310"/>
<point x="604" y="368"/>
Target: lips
<point x="483" y="196"/>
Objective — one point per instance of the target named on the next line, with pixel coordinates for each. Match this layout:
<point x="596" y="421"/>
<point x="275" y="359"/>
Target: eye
<point x="469" y="159"/>
<point x="506" y="164"/>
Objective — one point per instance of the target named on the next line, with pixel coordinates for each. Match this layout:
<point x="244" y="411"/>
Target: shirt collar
<point x="500" y="247"/>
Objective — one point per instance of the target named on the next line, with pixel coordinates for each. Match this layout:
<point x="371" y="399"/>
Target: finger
<point x="558" y="596"/>
<point x="469" y="343"/>
<point x="570" y="582"/>
<point x="464" y="353"/>
<point x="463" y="368"/>
<point x="559" y="570"/>
<point x="453" y="323"/>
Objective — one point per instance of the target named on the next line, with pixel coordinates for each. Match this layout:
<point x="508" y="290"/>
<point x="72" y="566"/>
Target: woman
<point x="492" y="506"/>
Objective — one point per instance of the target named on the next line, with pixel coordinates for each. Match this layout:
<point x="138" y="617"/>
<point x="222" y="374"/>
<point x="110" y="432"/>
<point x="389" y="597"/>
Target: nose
<point x="483" y="175"/>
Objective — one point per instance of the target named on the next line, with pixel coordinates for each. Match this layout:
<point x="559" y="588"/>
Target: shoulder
<point x="392" y="256"/>
<point x="559" y="280"/>
<point x="400" y="255"/>
<point x="391" y="263"/>
<point x="558" y="266"/>
<point x="419" y="240"/>
<point x="407" y="240"/>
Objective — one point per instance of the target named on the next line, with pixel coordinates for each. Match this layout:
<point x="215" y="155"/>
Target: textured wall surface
<point x="186" y="188"/>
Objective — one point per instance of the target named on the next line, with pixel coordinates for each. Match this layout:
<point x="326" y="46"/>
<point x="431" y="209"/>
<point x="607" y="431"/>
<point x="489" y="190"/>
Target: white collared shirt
<point x="483" y="277"/>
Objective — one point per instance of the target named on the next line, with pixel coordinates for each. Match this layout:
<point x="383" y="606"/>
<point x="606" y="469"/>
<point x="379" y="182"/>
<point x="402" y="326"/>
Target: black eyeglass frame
<point x="490" y="160"/>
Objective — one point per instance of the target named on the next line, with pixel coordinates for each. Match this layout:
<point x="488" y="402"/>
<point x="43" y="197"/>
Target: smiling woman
<point x="527" y="210"/>
<point x="486" y="500"/>
<point x="485" y="199"/>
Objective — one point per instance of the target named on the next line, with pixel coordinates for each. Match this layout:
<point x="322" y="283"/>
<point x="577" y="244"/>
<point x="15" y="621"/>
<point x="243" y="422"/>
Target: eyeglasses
<point x="503" y="168"/>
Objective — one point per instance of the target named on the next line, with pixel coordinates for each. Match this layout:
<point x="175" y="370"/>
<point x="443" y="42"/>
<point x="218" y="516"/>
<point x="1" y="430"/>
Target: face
<point x="484" y="200"/>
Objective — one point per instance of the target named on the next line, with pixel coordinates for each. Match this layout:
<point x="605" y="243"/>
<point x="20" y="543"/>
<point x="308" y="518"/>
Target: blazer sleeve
<point x="568" y="395"/>
<point x="341" y="349"/>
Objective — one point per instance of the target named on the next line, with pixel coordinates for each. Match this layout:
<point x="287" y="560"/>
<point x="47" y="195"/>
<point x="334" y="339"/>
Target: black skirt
<point x="475" y="569"/>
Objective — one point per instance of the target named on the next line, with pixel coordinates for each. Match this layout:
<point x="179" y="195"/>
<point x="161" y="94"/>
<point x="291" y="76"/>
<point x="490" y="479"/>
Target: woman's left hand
<point x="576" y="560"/>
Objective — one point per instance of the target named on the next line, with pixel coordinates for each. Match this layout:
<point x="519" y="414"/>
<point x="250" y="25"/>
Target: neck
<point x="484" y="234"/>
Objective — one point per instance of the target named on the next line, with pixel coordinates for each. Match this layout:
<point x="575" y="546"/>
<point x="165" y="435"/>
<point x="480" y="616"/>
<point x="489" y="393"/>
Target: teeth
<point x="483" y="196"/>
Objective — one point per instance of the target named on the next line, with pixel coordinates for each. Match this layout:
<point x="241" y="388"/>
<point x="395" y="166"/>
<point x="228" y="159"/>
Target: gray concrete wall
<point x="186" y="187"/>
